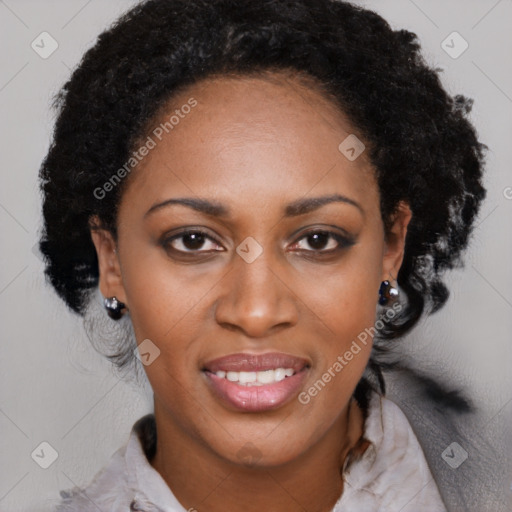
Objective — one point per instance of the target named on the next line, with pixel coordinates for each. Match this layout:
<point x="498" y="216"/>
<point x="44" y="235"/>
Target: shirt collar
<point x="150" y="491"/>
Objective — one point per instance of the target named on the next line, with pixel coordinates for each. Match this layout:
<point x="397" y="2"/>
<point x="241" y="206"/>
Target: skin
<point x="255" y="145"/>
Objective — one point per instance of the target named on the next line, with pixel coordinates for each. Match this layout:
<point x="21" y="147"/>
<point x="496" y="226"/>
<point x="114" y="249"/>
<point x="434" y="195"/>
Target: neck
<point x="202" y="480"/>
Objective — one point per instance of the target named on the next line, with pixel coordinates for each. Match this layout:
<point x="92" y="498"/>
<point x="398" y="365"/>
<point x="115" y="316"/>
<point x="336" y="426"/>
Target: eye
<point x="322" y="241"/>
<point x="190" y="242"/>
<point x="196" y="241"/>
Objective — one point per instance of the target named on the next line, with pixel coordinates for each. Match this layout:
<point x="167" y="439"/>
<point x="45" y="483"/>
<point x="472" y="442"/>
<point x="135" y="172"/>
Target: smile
<point x="256" y="383"/>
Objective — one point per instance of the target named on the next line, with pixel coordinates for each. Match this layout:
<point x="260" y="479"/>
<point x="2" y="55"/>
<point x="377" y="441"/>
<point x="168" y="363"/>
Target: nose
<point x="257" y="298"/>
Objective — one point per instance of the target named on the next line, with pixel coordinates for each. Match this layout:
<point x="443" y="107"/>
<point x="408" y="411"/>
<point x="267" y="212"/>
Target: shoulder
<point x="128" y="481"/>
<point x="449" y="423"/>
<point x="120" y="484"/>
<point x="106" y="491"/>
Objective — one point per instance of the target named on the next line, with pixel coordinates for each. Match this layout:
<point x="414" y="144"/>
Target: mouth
<point x="255" y="383"/>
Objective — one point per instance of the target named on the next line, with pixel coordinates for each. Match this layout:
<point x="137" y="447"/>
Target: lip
<point x="256" y="398"/>
<point x="244" y="362"/>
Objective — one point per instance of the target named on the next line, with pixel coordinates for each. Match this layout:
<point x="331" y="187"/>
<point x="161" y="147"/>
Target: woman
<point x="268" y="194"/>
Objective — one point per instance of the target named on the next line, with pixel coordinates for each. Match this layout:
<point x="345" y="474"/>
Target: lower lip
<point x="257" y="398"/>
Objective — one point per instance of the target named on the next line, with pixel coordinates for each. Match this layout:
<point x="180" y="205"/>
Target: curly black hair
<point x="419" y="138"/>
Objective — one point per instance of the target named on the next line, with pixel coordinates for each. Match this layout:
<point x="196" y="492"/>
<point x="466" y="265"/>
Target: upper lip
<point x="244" y="362"/>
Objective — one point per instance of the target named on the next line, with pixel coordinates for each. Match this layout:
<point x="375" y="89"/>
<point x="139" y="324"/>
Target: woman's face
<point x="285" y="275"/>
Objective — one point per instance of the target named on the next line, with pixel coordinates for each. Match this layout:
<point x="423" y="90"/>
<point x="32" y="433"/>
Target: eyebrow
<point x="293" y="209"/>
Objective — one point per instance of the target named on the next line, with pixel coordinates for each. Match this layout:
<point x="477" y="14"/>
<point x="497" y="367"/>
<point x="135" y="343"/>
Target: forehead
<point x="263" y="139"/>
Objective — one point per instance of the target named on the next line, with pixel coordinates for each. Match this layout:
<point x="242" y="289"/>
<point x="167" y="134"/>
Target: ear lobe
<point x="110" y="280"/>
<point x="395" y="241"/>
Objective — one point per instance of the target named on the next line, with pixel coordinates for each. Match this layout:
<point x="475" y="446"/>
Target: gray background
<point x="54" y="387"/>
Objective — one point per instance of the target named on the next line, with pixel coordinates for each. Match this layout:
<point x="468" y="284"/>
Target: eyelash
<point x="343" y="242"/>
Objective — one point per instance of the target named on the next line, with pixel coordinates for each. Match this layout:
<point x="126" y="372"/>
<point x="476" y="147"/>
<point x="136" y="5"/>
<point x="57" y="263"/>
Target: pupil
<point x="197" y="240"/>
<point x="318" y="237"/>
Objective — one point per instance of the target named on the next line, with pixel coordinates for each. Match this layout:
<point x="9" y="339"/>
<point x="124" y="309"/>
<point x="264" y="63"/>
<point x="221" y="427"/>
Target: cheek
<point x="350" y="317"/>
<point x="346" y="302"/>
<point x="158" y="297"/>
<point x="346" y="297"/>
<point x="165" y="308"/>
<point x="342" y="353"/>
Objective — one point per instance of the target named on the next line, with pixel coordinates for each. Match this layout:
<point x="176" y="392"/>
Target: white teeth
<point x="232" y="376"/>
<point x="279" y="374"/>
<point x="266" y="377"/>
<point x="246" y="377"/>
<point x="256" y="378"/>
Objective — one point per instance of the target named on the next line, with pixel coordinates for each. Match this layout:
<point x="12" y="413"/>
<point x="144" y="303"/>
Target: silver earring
<point x="387" y="293"/>
<point x="114" y="307"/>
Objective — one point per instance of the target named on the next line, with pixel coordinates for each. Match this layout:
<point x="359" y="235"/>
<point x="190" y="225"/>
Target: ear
<point x="110" y="280"/>
<point x="395" y="241"/>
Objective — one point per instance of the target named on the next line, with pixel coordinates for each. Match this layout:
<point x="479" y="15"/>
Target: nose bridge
<point x="256" y="298"/>
<point x="256" y="271"/>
